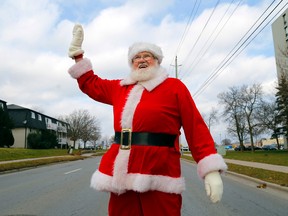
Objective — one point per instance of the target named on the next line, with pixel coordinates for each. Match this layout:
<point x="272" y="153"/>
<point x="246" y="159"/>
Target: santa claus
<point x="142" y="169"/>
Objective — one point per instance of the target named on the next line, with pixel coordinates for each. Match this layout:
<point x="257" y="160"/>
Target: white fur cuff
<point x="80" y="68"/>
<point x="213" y="162"/>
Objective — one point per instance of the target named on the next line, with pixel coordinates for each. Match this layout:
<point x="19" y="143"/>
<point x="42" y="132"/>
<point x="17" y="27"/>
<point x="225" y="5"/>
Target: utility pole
<point x="176" y="75"/>
<point x="176" y="67"/>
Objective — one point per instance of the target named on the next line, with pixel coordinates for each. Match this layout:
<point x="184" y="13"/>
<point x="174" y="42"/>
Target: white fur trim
<point x="80" y="68"/>
<point x="130" y="106"/>
<point x="127" y="81"/>
<point x="213" y="162"/>
<point x="138" y="182"/>
<point x="136" y="48"/>
<point x="120" y="170"/>
<point x="149" y="85"/>
<point x="157" y="80"/>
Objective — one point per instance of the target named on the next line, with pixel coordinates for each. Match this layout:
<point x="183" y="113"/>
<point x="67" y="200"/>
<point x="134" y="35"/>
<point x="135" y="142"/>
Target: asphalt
<point x="271" y="167"/>
<point x="264" y="166"/>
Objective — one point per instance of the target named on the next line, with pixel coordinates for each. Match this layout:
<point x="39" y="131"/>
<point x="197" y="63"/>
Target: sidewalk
<point x="265" y="166"/>
<point x="31" y="159"/>
<point x="271" y="167"/>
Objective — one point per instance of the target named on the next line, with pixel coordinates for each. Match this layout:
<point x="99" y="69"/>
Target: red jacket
<point x="160" y="105"/>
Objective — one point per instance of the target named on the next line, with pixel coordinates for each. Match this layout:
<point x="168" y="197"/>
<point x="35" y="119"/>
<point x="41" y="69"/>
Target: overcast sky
<point x="35" y="36"/>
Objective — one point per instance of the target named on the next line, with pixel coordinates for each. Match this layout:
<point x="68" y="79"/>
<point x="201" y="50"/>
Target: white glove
<point x="214" y="186"/>
<point x="75" y="48"/>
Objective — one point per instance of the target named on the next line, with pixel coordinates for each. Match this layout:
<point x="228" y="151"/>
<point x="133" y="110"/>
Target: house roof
<point x="22" y="117"/>
<point x="14" y="106"/>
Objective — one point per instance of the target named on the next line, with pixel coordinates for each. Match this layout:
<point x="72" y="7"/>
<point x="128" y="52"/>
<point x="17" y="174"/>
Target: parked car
<point x="228" y="147"/>
<point x="249" y="148"/>
<point x="276" y="146"/>
<point x="268" y="148"/>
<point x="238" y="148"/>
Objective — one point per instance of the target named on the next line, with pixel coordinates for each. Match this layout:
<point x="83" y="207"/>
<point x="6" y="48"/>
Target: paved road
<point x="63" y="190"/>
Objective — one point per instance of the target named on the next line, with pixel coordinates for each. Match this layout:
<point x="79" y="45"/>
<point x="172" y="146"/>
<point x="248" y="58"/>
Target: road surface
<point x="63" y="190"/>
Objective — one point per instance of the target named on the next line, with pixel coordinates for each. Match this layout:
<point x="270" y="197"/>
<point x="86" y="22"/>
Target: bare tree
<point x="226" y="142"/>
<point x="83" y="126"/>
<point x="267" y="117"/>
<point x="250" y="99"/>
<point x="233" y="113"/>
<point x="240" y="111"/>
<point x="212" y="118"/>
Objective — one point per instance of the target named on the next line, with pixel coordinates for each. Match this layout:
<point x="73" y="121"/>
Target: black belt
<point x="144" y="138"/>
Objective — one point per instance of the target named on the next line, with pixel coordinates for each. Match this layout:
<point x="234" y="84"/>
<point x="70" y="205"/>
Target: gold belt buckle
<point x="123" y="131"/>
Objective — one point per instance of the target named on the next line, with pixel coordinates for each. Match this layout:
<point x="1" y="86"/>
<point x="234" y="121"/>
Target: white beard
<point x="144" y="74"/>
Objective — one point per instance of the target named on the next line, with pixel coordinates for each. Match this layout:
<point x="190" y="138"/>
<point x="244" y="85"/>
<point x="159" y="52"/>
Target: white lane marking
<point x="72" y="171"/>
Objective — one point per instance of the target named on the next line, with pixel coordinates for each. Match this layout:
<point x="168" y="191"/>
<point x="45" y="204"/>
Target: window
<point x="286" y="33"/>
<point x="32" y="115"/>
<point x="48" y="121"/>
<point x="39" y="117"/>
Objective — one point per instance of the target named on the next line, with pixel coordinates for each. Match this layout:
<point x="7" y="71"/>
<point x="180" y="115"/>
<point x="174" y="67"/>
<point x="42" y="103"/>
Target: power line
<point x="199" y="36"/>
<point x="203" y="51"/>
<point x="243" y="45"/>
<point x="188" y="26"/>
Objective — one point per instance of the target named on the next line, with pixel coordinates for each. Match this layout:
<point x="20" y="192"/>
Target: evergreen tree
<point x="6" y="124"/>
<point x="282" y="103"/>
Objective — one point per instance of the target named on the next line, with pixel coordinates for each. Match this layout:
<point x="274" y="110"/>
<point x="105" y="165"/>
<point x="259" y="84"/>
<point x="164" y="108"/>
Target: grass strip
<point x="7" y="154"/>
<point x="274" y="177"/>
<point x="38" y="162"/>
<point x="268" y="157"/>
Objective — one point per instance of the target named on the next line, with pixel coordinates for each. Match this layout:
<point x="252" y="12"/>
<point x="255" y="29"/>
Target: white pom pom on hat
<point x="138" y="47"/>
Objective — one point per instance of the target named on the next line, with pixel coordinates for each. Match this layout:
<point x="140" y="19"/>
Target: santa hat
<point x="135" y="48"/>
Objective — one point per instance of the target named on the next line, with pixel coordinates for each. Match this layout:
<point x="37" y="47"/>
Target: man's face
<point x="143" y="60"/>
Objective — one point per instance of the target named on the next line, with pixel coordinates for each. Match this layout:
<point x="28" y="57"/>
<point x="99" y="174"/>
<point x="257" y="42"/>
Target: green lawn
<point x="269" y="157"/>
<point x="7" y="154"/>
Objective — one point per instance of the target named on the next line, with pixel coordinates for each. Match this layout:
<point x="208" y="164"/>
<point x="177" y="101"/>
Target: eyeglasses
<point x="146" y="57"/>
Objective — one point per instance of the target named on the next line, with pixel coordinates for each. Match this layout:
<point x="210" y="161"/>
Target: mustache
<point x="142" y="65"/>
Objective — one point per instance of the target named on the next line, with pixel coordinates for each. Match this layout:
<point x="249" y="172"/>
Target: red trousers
<point x="150" y="203"/>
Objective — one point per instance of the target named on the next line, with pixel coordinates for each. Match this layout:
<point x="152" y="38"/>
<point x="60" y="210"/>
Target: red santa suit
<point x="159" y="105"/>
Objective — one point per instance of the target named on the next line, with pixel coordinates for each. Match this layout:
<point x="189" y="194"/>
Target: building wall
<point x="34" y="121"/>
<point x="280" y="38"/>
<point x="272" y="141"/>
<point x="19" y="137"/>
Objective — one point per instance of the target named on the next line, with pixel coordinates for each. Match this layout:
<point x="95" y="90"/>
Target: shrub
<point x="43" y="140"/>
<point x="6" y="137"/>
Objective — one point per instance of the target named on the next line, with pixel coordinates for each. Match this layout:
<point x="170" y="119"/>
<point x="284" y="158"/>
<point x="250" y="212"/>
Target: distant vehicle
<point x="249" y="148"/>
<point x="276" y="146"/>
<point x="238" y="148"/>
<point x="228" y="147"/>
<point x="268" y="148"/>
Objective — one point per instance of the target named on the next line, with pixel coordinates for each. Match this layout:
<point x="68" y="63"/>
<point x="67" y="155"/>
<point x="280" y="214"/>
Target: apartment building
<point x="3" y="105"/>
<point x="27" y="121"/>
<point x="280" y="38"/>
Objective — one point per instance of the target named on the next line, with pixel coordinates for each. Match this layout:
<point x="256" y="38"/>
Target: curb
<point x="258" y="181"/>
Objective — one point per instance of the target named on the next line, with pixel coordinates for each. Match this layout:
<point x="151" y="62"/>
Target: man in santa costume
<point x="142" y="170"/>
